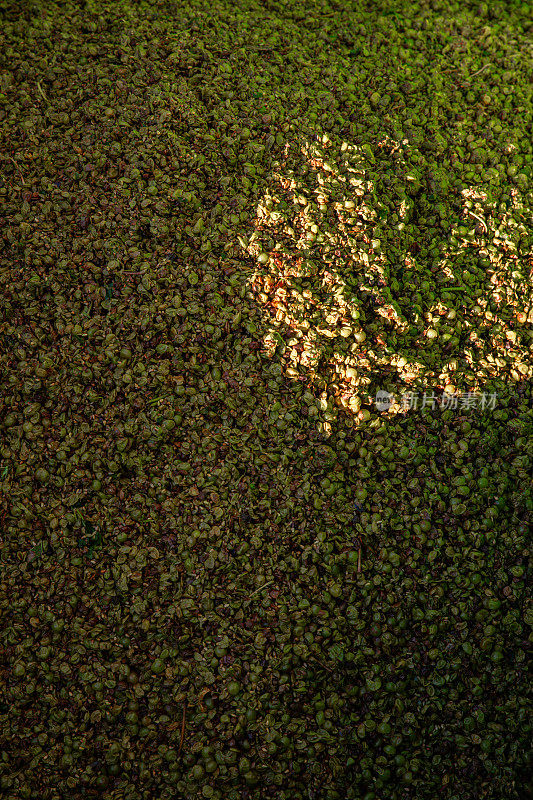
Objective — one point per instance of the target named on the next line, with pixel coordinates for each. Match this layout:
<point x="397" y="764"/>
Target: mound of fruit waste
<point x="266" y="430"/>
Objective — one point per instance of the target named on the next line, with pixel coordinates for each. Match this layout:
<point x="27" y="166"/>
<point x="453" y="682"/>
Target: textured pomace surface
<point x="265" y="400"/>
